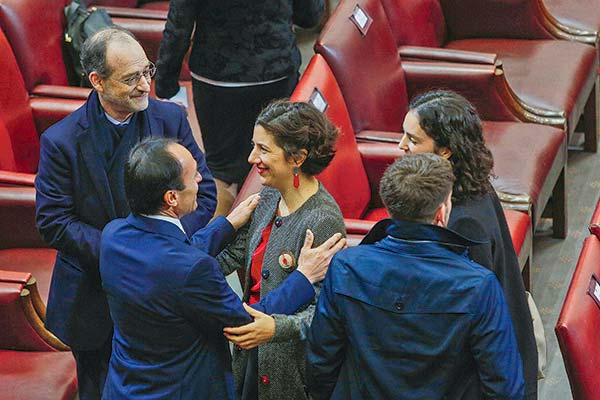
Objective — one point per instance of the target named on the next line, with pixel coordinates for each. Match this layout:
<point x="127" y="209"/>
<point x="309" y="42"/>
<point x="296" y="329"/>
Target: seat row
<point x="526" y="121"/>
<point x="353" y="176"/>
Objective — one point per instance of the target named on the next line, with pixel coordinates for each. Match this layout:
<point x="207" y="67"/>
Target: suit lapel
<point x="96" y="171"/>
<point x="150" y="125"/>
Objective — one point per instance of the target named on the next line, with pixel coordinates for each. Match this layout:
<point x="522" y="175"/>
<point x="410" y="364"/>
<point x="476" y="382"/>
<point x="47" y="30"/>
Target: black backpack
<point x="81" y="24"/>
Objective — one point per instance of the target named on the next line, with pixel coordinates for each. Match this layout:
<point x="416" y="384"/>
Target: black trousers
<point x="92" y="366"/>
<point x="226" y="116"/>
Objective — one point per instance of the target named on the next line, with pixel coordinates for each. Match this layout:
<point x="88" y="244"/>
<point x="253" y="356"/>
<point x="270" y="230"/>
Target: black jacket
<point x="483" y="218"/>
<point x="234" y="40"/>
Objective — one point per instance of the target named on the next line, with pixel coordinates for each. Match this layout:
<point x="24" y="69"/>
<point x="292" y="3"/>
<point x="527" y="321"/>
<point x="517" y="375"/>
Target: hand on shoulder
<point x="242" y="213"/>
<point x="314" y="262"/>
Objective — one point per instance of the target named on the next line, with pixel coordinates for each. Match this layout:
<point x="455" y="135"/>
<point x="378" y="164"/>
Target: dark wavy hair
<point x="296" y="126"/>
<point x="452" y="122"/>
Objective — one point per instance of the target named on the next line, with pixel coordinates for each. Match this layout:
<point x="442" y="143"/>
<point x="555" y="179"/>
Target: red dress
<point x="257" y="262"/>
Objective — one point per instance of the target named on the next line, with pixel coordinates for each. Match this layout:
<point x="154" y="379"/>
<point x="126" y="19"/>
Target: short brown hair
<point x="296" y="126"/>
<point x="413" y="187"/>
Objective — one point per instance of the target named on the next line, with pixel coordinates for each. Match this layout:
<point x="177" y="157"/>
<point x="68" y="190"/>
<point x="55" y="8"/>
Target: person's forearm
<point x="213" y="238"/>
<point x="292" y="294"/>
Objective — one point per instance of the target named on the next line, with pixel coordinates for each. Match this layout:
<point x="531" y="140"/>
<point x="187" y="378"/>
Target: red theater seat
<point x="23" y="328"/>
<point x="525" y="40"/>
<point x="579" y="20"/>
<point x="578" y="322"/>
<point x="21" y="247"/>
<point x="22" y="119"/>
<point x="346" y="176"/>
<point x="39" y="262"/>
<point x="529" y="158"/>
<point x="37" y="375"/>
<point x="30" y="365"/>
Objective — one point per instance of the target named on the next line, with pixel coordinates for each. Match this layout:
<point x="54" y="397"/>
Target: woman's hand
<point x="241" y="214"/>
<point x="253" y="334"/>
<point x="313" y="263"/>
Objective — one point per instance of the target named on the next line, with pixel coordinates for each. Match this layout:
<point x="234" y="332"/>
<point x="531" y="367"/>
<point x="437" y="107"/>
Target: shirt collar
<point x="172" y="220"/>
<point x="417" y="231"/>
<point x="118" y="123"/>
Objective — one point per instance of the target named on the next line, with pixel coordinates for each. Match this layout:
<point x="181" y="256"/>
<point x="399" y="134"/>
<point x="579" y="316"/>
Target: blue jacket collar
<point x="407" y="230"/>
<point x="153" y="225"/>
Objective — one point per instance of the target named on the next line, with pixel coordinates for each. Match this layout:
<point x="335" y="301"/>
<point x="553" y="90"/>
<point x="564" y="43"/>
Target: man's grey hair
<point x="93" y="51"/>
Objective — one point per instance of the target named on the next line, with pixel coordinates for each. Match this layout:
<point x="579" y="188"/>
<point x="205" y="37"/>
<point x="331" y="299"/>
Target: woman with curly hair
<point x="445" y="123"/>
<point x="292" y="142"/>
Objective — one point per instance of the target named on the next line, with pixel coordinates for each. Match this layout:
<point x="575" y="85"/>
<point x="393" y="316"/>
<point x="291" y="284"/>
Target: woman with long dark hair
<point x="445" y="123"/>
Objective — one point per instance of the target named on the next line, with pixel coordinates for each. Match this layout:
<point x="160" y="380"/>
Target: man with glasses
<point x="80" y="189"/>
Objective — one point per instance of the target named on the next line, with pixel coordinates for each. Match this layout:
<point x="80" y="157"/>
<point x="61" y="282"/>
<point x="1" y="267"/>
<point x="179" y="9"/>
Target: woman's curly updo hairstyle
<point x="452" y="122"/>
<point x="296" y="126"/>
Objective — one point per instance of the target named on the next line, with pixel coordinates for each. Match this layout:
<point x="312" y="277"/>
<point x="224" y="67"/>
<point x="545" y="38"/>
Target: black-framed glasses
<point x="147" y="73"/>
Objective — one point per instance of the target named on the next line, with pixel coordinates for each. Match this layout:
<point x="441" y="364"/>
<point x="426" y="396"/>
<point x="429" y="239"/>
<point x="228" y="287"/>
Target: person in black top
<point x="244" y="55"/>
<point x="445" y="123"/>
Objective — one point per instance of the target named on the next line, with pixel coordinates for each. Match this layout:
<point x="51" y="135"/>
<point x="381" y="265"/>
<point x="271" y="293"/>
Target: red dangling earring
<point x="296" y="178"/>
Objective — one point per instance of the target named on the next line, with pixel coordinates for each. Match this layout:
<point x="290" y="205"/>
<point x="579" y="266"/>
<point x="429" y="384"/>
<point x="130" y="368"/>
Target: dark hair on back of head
<point x="296" y="126"/>
<point x="150" y="171"/>
<point x="452" y="122"/>
<point x="414" y="186"/>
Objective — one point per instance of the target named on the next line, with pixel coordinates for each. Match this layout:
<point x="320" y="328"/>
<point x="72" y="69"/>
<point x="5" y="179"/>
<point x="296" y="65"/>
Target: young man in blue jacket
<point x="411" y="316"/>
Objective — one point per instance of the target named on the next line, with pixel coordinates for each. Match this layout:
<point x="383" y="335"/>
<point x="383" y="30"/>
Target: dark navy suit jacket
<point x="170" y="302"/>
<point x="73" y="206"/>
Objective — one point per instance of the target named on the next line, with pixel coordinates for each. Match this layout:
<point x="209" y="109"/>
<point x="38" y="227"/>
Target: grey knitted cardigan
<point x="282" y="359"/>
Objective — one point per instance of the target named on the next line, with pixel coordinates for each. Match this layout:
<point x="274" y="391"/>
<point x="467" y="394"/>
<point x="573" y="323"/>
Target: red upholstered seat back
<point x="16" y="115"/>
<point x="345" y="178"/>
<point x="577" y="326"/>
<point x="35" y="31"/>
<point x="416" y="22"/>
<point x="514" y="19"/>
<point x="7" y="158"/>
<point x="113" y="3"/>
<point x="367" y="67"/>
